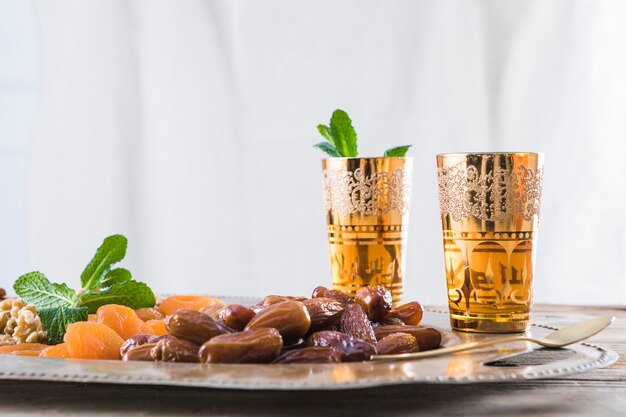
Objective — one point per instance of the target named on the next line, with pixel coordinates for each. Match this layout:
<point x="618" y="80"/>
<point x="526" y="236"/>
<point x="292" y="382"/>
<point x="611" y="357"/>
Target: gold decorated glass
<point x="367" y="212"/>
<point x="490" y="216"/>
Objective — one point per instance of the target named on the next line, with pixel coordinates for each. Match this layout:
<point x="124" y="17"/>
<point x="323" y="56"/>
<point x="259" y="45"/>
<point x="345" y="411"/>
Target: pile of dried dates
<point x="326" y="328"/>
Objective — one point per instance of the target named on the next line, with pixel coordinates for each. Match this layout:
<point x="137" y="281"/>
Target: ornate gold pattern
<point x="495" y="195"/>
<point x="481" y="236"/>
<point x="349" y="192"/>
<point x="367" y="213"/>
<point x="490" y="215"/>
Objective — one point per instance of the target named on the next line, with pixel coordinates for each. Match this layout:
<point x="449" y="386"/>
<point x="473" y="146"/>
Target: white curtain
<point x="188" y="126"/>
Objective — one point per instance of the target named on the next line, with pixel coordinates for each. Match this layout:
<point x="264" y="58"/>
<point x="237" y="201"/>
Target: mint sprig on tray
<point x="58" y="305"/>
<point x="342" y="139"/>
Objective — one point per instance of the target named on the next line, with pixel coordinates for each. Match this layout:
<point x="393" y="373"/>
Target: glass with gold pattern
<point x="490" y="216"/>
<point x="367" y="212"/>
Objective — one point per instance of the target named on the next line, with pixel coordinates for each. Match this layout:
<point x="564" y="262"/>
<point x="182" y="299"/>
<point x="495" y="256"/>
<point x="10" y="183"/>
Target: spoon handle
<point x="452" y="349"/>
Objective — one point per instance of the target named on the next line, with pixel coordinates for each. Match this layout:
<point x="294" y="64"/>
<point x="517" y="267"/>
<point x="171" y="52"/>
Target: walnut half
<point x="21" y="322"/>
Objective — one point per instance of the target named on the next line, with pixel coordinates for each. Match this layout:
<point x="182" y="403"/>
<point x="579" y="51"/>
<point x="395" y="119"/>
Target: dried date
<point x="193" y="326"/>
<point x="290" y="318"/>
<point x="397" y="343"/>
<point x="139" y="353"/>
<point x="410" y="313"/>
<point x="310" y="355"/>
<point x="324" y="312"/>
<point x="149" y="313"/>
<point x="213" y="310"/>
<point x="319" y="291"/>
<point x="299" y="344"/>
<point x="427" y="337"/>
<point x="175" y="349"/>
<point x="137" y="340"/>
<point x="237" y="316"/>
<point x="388" y="321"/>
<point x="251" y="346"/>
<point x="350" y="348"/>
<point x="375" y="300"/>
<point x="339" y="296"/>
<point x="354" y="322"/>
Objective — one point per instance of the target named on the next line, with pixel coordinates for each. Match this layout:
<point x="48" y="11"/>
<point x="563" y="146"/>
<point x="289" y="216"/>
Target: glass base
<point x="516" y="322"/>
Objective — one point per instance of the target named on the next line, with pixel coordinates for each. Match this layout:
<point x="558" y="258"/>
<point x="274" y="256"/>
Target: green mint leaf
<point x="34" y="288"/>
<point x="397" y="151"/>
<point x="325" y="131"/>
<point x="328" y="148"/>
<point x="112" y="250"/>
<point x="343" y="133"/>
<point x="56" y="319"/>
<point x="132" y="294"/>
<point x="116" y="276"/>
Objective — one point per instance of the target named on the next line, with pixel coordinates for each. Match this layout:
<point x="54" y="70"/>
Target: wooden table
<point x="597" y="393"/>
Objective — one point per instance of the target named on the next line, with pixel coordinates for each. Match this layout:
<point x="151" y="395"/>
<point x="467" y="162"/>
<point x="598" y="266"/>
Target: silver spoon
<point x="565" y="336"/>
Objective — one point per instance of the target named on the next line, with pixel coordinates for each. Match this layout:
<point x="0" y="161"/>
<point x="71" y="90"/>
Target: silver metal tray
<point x="463" y="368"/>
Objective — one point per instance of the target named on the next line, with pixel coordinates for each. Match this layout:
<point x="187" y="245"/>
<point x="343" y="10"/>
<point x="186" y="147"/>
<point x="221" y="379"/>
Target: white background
<point x="188" y="126"/>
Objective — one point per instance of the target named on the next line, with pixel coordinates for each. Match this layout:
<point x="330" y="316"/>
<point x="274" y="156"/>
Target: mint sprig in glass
<point x="367" y="210"/>
<point x="341" y="138"/>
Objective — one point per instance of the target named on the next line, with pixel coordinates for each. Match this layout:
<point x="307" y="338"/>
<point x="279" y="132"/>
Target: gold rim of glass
<point x="489" y="153"/>
<point x="342" y="158"/>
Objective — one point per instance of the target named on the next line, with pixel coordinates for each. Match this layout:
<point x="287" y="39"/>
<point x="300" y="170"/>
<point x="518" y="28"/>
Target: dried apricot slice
<point x="85" y="340"/>
<point x="192" y="302"/>
<point x="56" y="351"/>
<point x="157" y="327"/>
<point x="22" y="349"/>
<point x="122" y="319"/>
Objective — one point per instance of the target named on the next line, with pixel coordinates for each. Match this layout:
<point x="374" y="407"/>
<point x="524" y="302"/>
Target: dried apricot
<point x="123" y="320"/>
<point x="85" y="340"/>
<point x="157" y="327"/>
<point x="192" y="302"/>
<point x="22" y="349"/>
<point x="56" y="351"/>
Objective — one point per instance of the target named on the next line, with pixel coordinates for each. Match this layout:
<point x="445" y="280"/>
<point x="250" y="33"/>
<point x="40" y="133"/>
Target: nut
<point x="21" y="322"/>
<point x="6" y="340"/>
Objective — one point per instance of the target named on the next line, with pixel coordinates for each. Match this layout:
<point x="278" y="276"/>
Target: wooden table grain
<point x="597" y="393"/>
